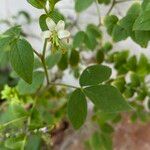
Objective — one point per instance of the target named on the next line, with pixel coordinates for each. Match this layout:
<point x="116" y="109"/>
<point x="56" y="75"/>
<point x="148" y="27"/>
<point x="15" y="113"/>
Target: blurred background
<point x="127" y="136"/>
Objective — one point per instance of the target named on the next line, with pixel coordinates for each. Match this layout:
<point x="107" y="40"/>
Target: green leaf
<point x="142" y="23"/>
<point x="107" y="98"/>
<point x="135" y="9"/>
<point x="80" y="6"/>
<point x="25" y="88"/>
<point x="53" y="59"/>
<point x="106" y="2"/>
<point x="146" y="5"/>
<point x="92" y="34"/>
<point x="110" y="22"/>
<point x="132" y="63"/>
<point x="56" y="16"/>
<point x="142" y="38"/>
<point x="14" y="142"/>
<point x="119" y="33"/>
<point x="22" y="59"/>
<point x="40" y="4"/>
<point x="77" y="108"/>
<point x="107" y="47"/>
<point x="74" y="58"/>
<point x="18" y="111"/>
<point x="7" y="38"/>
<point x="143" y="66"/>
<point x="100" y="56"/>
<point x="78" y="39"/>
<point x="63" y="63"/>
<point x="4" y="57"/>
<point x="33" y="142"/>
<point x="120" y="83"/>
<point x="96" y="32"/>
<point x="100" y="141"/>
<point x="94" y="75"/>
<point x="42" y="22"/>
<point x="14" y="31"/>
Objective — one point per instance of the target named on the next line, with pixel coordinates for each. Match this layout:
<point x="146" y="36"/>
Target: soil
<point x="127" y="136"/>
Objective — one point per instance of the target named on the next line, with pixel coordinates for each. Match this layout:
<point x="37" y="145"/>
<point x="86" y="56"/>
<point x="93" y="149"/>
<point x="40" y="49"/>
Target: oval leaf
<point x="22" y="59"/>
<point x="77" y="108"/>
<point x="94" y="75"/>
<point x="107" y="98"/>
<point x="25" y="88"/>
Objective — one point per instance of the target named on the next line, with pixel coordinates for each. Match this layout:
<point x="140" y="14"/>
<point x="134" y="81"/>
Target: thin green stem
<point x="38" y="54"/>
<point x="13" y="121"/>
<point x="44" y="47"/>
<point x="98" y="12"/>
<point x="43" y="61"/>
<point x="63" y="84"/>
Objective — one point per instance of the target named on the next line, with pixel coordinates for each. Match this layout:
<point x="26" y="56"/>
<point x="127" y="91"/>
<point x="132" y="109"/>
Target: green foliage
<point x="40" y="4"/>
<point x="25" y="88"/>
<point x="78" y="39"/>
<point x="35" y="101"/>
<point x="107" y="98"/>
<point x="53" y="59"/>
<point x="79" y="7"/>
<point x="77" y="108"/>
<point x="94" y="75"/>
<point x="22" y="59"/>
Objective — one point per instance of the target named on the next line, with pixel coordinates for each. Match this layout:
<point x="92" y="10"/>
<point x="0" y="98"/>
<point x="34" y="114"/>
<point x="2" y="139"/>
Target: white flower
<point x="58" y="30"/>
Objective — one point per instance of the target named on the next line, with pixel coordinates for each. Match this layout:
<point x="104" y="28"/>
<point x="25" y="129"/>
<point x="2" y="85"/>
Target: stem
<point x="63" y="84"/>
<point x="114" y="2"/>
<point x="13" y="121"/>
<point x="44" y="48"/>
<point x="98" y="12"/>
<point x="112" y="6"/>
<point x="42" y="58"/>
<point x="43" y="62"/>
<point x="122" y="1"/>
<point x="38" y="54"/>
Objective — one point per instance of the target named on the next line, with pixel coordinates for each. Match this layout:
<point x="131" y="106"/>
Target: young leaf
<point x="40" y="4"/>
<point x="107" y="98"/>
<point x="25" y="88"/>
<point x="78" y="39"/>
<point x="77" y="108"/>
<point x="94" y="75"/>
<point x="80" y="6"/>
<point x="42" y="22"/>
<point x="22" y="59"/>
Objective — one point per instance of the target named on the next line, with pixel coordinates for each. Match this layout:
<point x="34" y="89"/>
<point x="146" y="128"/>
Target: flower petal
<point x="47" y="5"/>
<point x="63" y="34"/>
<point x="50" y="23"/>
<point x="46" y="34"/>
<point x="60" y="26"/>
